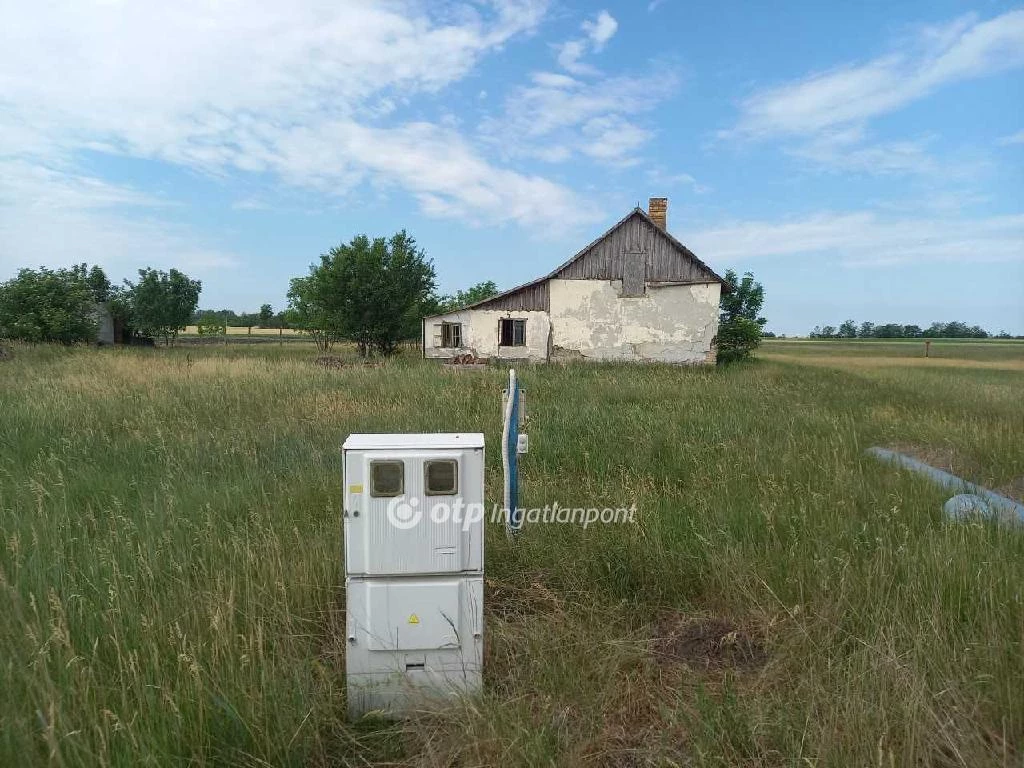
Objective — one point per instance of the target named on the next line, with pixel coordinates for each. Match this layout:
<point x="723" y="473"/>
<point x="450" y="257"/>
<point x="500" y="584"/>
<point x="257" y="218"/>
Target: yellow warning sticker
<point x="414" y="619"/>
<point x="356" y="488"/>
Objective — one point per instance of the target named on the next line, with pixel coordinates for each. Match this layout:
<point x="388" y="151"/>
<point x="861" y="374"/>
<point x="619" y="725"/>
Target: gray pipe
<point x="995" y="500"/>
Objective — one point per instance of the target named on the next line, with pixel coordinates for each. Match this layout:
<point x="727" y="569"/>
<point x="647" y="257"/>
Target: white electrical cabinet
<point x="414" y="555"/>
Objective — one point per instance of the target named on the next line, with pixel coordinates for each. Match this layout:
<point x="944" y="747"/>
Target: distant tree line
<point x="65" y="305"/>
<point x="213" y="321"/>
<point x="867" y="330"/>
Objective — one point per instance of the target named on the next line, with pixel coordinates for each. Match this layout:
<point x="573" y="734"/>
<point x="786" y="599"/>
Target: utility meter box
<point x="414" y="554"/>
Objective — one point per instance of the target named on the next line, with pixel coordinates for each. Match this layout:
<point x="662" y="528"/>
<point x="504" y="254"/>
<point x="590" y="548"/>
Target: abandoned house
<point x="635" y="293"/>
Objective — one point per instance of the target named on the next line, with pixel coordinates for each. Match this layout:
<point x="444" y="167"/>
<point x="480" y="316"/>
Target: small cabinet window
<point x="387" y="478"/>
<point x="512" y="332"/>
<point x="442" y="477"/>
<point x="451" y="335"/>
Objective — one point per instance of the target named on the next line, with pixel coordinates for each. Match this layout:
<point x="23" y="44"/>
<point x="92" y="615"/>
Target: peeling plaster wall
<point x="480" y="335"/>
<point x="671" y="323"/>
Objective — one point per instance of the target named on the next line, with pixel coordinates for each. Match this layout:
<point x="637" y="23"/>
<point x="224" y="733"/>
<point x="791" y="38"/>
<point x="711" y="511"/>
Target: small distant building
<point x="105" y="333"/>
<point x="635" y="293"/>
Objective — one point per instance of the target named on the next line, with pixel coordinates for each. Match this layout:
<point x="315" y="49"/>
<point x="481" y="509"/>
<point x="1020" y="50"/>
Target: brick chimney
<point x="657" y="209"/>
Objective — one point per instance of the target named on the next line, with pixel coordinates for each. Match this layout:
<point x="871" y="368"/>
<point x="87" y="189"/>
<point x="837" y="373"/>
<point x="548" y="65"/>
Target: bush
<point x="212" y="324"/>
<point x="737" y="339"/>
<point x="739" y="324"/>
<point x="48" y="305"/>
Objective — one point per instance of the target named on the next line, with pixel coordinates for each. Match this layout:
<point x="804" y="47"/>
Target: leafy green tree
<point x="266" y="316"/>
<point x="371" y="292"/>
<point x="100" y="286"/>
<point x="313" y="309"/>
<point x="48" y="305"/>
<point x="740" y="323"/>
<point x="471" y="295"/>
<point x="848" y="330"/>
<point x="867" y="330"/>
<point x="162" y="303"/>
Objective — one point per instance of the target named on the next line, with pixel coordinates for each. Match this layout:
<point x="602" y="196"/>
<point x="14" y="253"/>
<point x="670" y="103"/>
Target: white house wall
<point x="480" y="335"/>
<point x="671" y="323"/>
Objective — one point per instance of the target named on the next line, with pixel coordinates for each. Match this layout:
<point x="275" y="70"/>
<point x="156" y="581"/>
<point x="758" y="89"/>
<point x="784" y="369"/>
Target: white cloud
<point x="653" y="5"/>
<point x="826" y="113"/>
<point x="557" y="117"/>
<point x="59" y="217"/>
<point x="569" y="55"/>
<point x="852" y="94"/>
<point x="662" y="180"/>
<point x="601" y="29"/>
<point x="598" y="32"/>
<point x="1013" y="138"/>
<point x="846" y="150"/>
<point x="864" y="238"/>
<point x="305" y="91"/>
<point x="440" y="168"/>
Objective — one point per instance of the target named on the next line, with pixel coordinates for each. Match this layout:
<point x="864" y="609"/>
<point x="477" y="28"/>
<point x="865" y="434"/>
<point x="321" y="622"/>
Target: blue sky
<point x="864" y="160"/>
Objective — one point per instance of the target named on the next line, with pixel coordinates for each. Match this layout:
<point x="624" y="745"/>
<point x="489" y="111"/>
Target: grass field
<point x="235" y="330"/>
<point x="170" y="574"/>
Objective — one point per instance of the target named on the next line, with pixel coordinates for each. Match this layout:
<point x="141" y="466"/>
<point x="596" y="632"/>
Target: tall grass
<point x="171" y="574"/>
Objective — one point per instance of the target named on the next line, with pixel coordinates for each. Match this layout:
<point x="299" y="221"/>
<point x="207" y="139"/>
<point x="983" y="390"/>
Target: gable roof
<point x="676" y="248"/>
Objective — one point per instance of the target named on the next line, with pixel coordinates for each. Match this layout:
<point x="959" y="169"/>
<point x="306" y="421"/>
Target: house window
<point x="387" y="478"/>
<point x="512" y="332"/>
<point x="442" y="477"/>
<point x="451" y="335"/>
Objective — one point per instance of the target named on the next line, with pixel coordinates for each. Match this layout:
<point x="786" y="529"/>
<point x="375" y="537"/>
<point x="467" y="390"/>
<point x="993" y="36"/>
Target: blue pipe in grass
<point x="997" y="502"/>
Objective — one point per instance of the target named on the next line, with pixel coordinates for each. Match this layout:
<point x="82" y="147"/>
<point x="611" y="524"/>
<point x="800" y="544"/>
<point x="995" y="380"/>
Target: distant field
<point x="193" y="330"/>
<point x="898" y="351"/>
<point x="170" y="572"/>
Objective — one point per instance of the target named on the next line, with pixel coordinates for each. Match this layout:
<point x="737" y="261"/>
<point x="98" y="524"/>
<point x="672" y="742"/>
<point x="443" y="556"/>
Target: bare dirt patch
<point x="5" y="354"/>
<point x="706" y="643"/>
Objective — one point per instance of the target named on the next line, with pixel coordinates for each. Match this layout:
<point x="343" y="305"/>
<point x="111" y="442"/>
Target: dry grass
<point x="171" y="580"/>
<point x="844" y="362"/>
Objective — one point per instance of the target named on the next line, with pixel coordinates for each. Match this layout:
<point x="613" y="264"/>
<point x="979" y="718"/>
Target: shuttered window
<point x="634" y="273"/>
<point x="451" y="335"/>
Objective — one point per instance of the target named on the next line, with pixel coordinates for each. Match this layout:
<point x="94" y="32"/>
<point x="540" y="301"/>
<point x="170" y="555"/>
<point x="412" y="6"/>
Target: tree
<point x="867" y="330"/>
<point x="313" y="310"/>
<point x="266" y="316"/>
<point x="828" y="332"/>
<point x="210" y="323"/>
<point x="162" y="303"/>
<point x="48" y="305"/>
<point x="739" y="324"/>
<point x="471" y="295"/>
<point x="371" y="292"/>
<point x="848" y="330"/>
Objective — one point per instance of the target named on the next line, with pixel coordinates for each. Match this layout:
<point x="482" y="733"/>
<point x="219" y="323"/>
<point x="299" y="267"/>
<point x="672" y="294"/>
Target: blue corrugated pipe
<point x="996" y="501"/>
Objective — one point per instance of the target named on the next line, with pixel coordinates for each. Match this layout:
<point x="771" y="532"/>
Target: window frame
<point x="516" y="322"/>
<point x="454" y="333"/>
<point x="426" y="477"/>
<point x="373" y="479"/>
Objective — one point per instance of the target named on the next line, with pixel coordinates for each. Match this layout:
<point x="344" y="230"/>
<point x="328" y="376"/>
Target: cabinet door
<point x="405" y="511"/>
